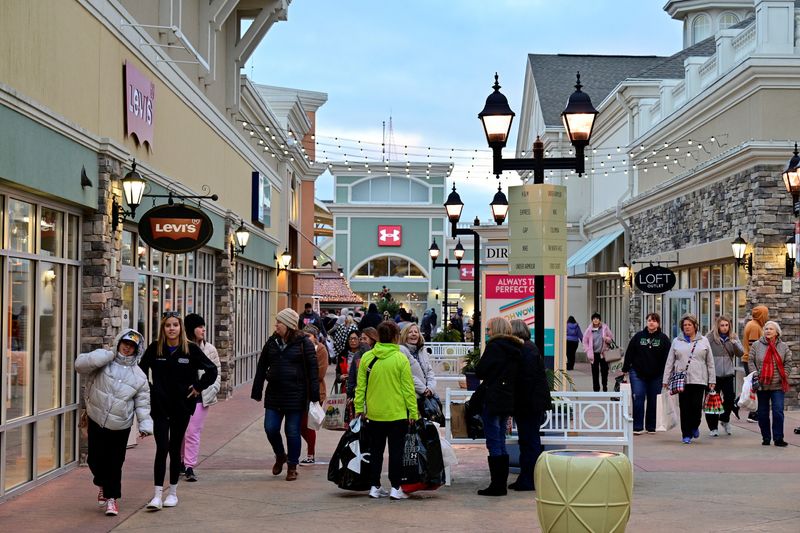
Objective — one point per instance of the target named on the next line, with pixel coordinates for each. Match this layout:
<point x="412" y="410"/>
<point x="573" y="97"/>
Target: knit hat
<point x="192" y="321"/>
<point x="288" y="317"/>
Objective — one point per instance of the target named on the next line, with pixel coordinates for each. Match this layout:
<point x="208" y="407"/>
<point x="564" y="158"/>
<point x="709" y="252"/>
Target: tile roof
<point x="333" y="288"/>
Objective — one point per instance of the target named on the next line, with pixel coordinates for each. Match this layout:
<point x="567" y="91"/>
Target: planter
<point x="472" y="380"/>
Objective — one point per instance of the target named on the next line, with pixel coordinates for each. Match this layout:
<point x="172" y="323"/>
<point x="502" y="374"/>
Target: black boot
<point x="524" y="480"/>
<point x="498" y="469"/>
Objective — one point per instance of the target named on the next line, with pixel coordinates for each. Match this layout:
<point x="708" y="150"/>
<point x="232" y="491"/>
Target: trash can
<point x="583" y="491"/>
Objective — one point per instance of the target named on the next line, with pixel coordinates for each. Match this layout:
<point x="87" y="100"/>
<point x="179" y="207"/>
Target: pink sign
<point x="390" y="235"/>
<point x="140" y="95"/>
<point x="504" y="286"/>
<point x="466" y="272"/>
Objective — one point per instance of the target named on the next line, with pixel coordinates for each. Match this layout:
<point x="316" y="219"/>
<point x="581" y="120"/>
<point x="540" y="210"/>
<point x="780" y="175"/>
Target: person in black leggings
<point x="172" y="364"/>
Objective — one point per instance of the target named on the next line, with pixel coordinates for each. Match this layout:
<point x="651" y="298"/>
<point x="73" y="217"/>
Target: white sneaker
<point x="378" y="492"/>
<point x="714" y="433"/>
<point x="155" y="504"/>
<point x="727" y="427"/>
<point x="397" y="494"/>
<point x="171" y="500"/>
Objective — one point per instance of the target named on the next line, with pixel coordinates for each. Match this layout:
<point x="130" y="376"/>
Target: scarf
<point x="771" y="360"/>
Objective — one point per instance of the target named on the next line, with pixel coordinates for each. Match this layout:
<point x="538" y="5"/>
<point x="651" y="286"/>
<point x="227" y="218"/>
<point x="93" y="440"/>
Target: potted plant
<point x="470" y="362"/>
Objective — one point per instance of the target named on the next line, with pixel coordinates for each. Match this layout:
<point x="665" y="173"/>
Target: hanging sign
<point x="655" y="279"/>
<point x="140" y="98"/>
<point x="175" y="229"/>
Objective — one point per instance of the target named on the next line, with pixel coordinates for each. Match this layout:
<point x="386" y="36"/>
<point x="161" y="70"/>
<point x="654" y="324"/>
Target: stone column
<point x="225" y="314"/>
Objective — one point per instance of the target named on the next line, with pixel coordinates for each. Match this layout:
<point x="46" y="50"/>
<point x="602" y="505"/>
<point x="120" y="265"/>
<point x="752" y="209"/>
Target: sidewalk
<point x="730" y="483"/>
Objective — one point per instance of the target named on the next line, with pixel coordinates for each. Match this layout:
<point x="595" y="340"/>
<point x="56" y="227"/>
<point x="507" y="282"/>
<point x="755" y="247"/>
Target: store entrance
<point x="677" y="304"/>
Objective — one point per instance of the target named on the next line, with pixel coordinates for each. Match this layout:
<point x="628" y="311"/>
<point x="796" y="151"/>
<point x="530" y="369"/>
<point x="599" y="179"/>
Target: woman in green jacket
<point x="385" y="397"/>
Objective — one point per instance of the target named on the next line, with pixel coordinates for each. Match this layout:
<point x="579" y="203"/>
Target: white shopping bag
<point x="747" y="398"/>
<point x="316" y="415"/>
<point x="625" y="388"/>
<point x="667" y="412"/>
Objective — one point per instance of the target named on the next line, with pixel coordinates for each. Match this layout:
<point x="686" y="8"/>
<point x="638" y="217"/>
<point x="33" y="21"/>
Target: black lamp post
<point x="739" y="246"/>
<point x="578" y="118"/>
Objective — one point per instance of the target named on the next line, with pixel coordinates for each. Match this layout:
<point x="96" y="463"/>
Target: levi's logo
<point x="176" y="228"/>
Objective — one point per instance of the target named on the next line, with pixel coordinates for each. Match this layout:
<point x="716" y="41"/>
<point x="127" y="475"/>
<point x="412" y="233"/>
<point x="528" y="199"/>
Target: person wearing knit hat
<point x="287" y="354"/>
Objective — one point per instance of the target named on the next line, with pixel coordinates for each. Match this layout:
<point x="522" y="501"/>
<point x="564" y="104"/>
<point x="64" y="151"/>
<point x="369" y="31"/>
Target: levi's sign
<point x="655" y="279"/>
<point x="175" y="229"/>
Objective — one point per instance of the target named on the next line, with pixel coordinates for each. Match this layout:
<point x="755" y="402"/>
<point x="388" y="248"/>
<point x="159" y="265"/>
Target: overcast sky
<point x="430" y="65"/>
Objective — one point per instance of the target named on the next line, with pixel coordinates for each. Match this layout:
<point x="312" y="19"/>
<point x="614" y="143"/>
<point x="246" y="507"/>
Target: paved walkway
<point x="730" y="483"/>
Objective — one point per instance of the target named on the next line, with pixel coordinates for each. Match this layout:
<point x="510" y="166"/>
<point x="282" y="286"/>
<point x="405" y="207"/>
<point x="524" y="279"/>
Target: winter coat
<point x="531" y="390"/>
<point x="498" y="367"/>
<point x="312" y="319"/>
<point x="209" y="395"/>
<point x="588" y="341"/>
<point x="757" y="353"/>
<point x="291" y="372"/>
<point x="389" y="394"/>
<point x="172" y="374"/>
<point x="116" y="388"/>
<point x="352" y="372"/>
<point x="421" y="368"/>
<point x="371" y="319"/>
<point x="574" y="332"/>
<point x="725" y="353"/>
<point x="647" y="354"/>
<point x="343" y="362"/>
<point x="322" y="366"/>
<point x="701" y="368"/>
<point x="753" y="329"/>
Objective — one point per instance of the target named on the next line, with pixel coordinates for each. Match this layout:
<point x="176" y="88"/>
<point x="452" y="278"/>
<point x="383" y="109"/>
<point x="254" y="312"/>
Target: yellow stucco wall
<point x="59" y="55"/>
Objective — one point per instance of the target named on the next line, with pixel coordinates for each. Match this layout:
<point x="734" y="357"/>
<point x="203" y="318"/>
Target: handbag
<point x="613" y="354"/>
<point x="713" y="404"/>
<point x="677" y="381"/>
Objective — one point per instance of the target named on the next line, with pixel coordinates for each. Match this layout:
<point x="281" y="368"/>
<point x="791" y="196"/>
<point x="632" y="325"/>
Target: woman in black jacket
<point x="498" y="368"/>
<point x="531" y="400"/>
<point x="288" y="363"/>
<point x="172" y="364"/>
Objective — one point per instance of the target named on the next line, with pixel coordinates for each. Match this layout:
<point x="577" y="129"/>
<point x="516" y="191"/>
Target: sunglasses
<point x="171" y="314"/>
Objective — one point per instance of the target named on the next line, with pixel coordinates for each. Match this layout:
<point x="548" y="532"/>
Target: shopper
<point x="309" y="435"/>
<point x="574" y="338"/>
<point x="116" y="390"/>
<point x="288" y="363"/>
<point x="691" y="353"/>
<point x="309" y="317"/>
<point x="725" y="347"/>
<point x="752" y="332"/>
<point x="342" y="334"/>
<point x="385" y="397"/>
<point x="196" y="333"/>
<point x="352" y="349"/>
<point x="371" y="319"/>
<point x="531" y="400"/>
<point x="174" y="365"/>
<point x="413" y="346"/>
<point x="498" y="367"/>
<point x="644" y="364"/>
<point x="772" y="359"/>
<point x="596" y="341"/>
<point x="369" y="337"/>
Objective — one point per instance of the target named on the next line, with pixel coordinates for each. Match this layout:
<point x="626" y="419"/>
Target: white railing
<point x="678" y="95"/>
<point x="744" y="43"/>
<point x="447" y="359"/>
<point x="708" y="72"/>
<point x="449" y="348"/>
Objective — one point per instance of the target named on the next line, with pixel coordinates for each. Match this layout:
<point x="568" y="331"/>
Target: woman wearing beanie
<point x="771" y="358"/>
<point x="176" y="382"/>
<point x="288" y="363"/>
<point x="196" y="332"/>
<point x="308" y="434"/>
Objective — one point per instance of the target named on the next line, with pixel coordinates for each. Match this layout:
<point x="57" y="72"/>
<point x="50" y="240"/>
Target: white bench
<point x="447" y="359"/>
<point x="579" y="419"/>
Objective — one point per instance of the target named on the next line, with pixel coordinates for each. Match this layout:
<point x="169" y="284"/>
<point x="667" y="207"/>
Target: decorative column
<point x="225" y="313"/>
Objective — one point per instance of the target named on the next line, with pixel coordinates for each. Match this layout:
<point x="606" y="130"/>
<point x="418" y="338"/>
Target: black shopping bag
<point x="349" y="466"/>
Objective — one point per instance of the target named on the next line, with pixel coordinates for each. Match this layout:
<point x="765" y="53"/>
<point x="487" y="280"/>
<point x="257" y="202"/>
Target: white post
<point x="774" y="27"/>
<point x="692" y="66"/>
<point x="725" y="53"/>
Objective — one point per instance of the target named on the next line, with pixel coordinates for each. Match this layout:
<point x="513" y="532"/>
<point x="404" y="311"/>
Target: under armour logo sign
<point x="466" y="273"/>
<point x="390" y="235"/>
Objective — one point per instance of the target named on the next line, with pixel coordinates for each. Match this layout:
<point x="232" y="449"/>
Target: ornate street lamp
<point x="496" y="117"/>
<point x="453" y="206"/>
<point x="739" y="246"/>
<point x="286" y="259"/>
<point x="434" y="250"/>
<point x="791" y="178"/>
<point x="133" y="186"/>
<point x="459" y="251"/>
<point x="499" y="206"/>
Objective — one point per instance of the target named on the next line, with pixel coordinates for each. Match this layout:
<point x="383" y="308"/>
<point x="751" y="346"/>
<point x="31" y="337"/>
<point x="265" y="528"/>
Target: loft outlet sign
<point x="655" y="279"/>
<point x="175" y="229"/>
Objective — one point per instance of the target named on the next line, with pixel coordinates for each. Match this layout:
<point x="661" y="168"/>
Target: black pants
<point x="599" y="366"/>
<point x="572" y="347"/>
<point x="691" y="404"/>
<point x="726" y="389"/>
<point x="378" y="433"/>
<point x="106" y="455"/>
<point x="168" y="432"/>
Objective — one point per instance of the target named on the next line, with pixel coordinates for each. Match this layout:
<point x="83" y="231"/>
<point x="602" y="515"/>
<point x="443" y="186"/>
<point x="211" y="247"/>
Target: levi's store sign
<point x="140" y="98"/>
<point x="390" y="235"/>
<point x="176" y="228"/>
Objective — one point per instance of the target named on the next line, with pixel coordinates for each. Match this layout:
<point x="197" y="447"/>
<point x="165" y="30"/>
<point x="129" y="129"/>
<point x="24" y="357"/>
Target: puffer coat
<point x="209" y="395"/>
<point x="116" y="388"/>
<point x="498" y="367"/>
<point x="291" y="372"/>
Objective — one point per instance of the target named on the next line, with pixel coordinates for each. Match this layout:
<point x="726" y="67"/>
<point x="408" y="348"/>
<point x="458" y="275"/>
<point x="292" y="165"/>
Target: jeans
<point x="691" y="404"/>
<point x="599" y="366"/>
<point x="494" y="429"/>
<point x="765" y="397"/>
<point x="378" y="433"/>
<point x="644" y="390"/>
<point x="106" y="455"/>
<point x="272" y="426"/>
<point x="725" y="387"/>
<point x="572" y="347"/>
<point x="168" y="432"/>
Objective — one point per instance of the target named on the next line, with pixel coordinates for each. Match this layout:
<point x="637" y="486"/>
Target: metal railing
<point x="447" y="359"/>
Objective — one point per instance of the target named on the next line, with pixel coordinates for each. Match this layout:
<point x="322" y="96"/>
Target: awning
<point x="578" y="263"/>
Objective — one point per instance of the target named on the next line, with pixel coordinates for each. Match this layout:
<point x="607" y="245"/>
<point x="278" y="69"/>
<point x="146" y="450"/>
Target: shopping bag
<point x="430" y="408"/>
<point x="613" y="354"/>
<point x="713" y="404"/>
<point x="349" y="466"/>
<point x="316" y="415"/>
<point x="423" y="462"/>
<point x="335" y="406"/>
<point x="411" y="473"/>
<point x="448" y="453"/>
<point x="670" y="417"/>
<point x="677" y="381"/>
<point x="625" y="389"/>
<point x="747" y="398"/>
<point x="458" y="420"/>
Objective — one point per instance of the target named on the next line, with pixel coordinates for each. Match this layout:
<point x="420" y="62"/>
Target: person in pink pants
<point x="196" y="332"/>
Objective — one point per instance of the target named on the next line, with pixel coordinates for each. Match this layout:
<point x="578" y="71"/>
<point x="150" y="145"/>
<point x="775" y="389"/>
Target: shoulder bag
<point x="613" y="354"/>
<point x="677" y="381"/>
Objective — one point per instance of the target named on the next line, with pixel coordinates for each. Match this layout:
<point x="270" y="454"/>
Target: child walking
<point x="116" y="389"/>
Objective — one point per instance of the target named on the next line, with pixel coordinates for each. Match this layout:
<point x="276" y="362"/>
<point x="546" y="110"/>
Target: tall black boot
<point x="498" y="469"/>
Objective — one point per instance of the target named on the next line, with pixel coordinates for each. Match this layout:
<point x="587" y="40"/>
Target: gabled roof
<point x="332" y="288"/>
<point x="555" y="77"/>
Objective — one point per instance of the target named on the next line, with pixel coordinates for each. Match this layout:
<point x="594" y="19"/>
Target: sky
<point x="430" y="64"/>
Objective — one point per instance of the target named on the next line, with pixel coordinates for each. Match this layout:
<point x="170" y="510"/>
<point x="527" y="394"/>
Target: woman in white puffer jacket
<point x="116" y="389"/>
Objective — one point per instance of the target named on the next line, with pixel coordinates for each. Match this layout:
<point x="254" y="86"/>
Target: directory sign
<point x="537" y="230"/>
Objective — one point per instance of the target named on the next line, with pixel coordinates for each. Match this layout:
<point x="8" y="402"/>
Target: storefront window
<point x="126" y="252"/>
<point x="49" y="372"/>
<point x="48" y="445"/>
<point x="169" y="263"/>
<point x="142" y="251"/>
<point x="155" y="258"/>
<point x="73" y="235"/>
<point x="251" y="295"/>
<point x="20" y="226"/>
<point x="51" y="232"/>
<point x="20" y="339"/>
<point x="71" y="299"/>
<point x="18" y="445"/>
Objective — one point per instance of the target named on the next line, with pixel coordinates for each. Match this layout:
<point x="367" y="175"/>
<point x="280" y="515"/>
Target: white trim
<point x="387" y="278"/>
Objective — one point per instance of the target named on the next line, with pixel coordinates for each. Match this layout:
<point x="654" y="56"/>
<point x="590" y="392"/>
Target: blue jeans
<point x="764" y="399"/>
<point x="272" y="426"/>
<point x="644" y="389"/>
<point x="494" y="429"/>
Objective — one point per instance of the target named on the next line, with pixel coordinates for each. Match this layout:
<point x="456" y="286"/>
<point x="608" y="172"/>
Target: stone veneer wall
<point x="224" y="315"/>
<point x="753" y="201"/>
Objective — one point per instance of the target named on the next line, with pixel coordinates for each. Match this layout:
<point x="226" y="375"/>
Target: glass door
<point x="677" y="304"/>
<point x="130" y="290"/>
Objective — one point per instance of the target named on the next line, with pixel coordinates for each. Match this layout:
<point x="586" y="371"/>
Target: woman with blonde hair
<point x="498" y="367"/>
<point x="772" y="359"/>
<point x="691" y="353"/>
<point x="725" y="347"/>
<point x="179" y="373"/>
<point x="412" y="345"/>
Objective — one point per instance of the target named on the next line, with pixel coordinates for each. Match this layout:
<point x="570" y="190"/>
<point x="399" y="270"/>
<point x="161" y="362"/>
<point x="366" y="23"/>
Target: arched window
<point x="390" y="190"/>
<point x="727" y="20"/>
<point x="701" y="28"/>
<point x="389" y="266"/>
